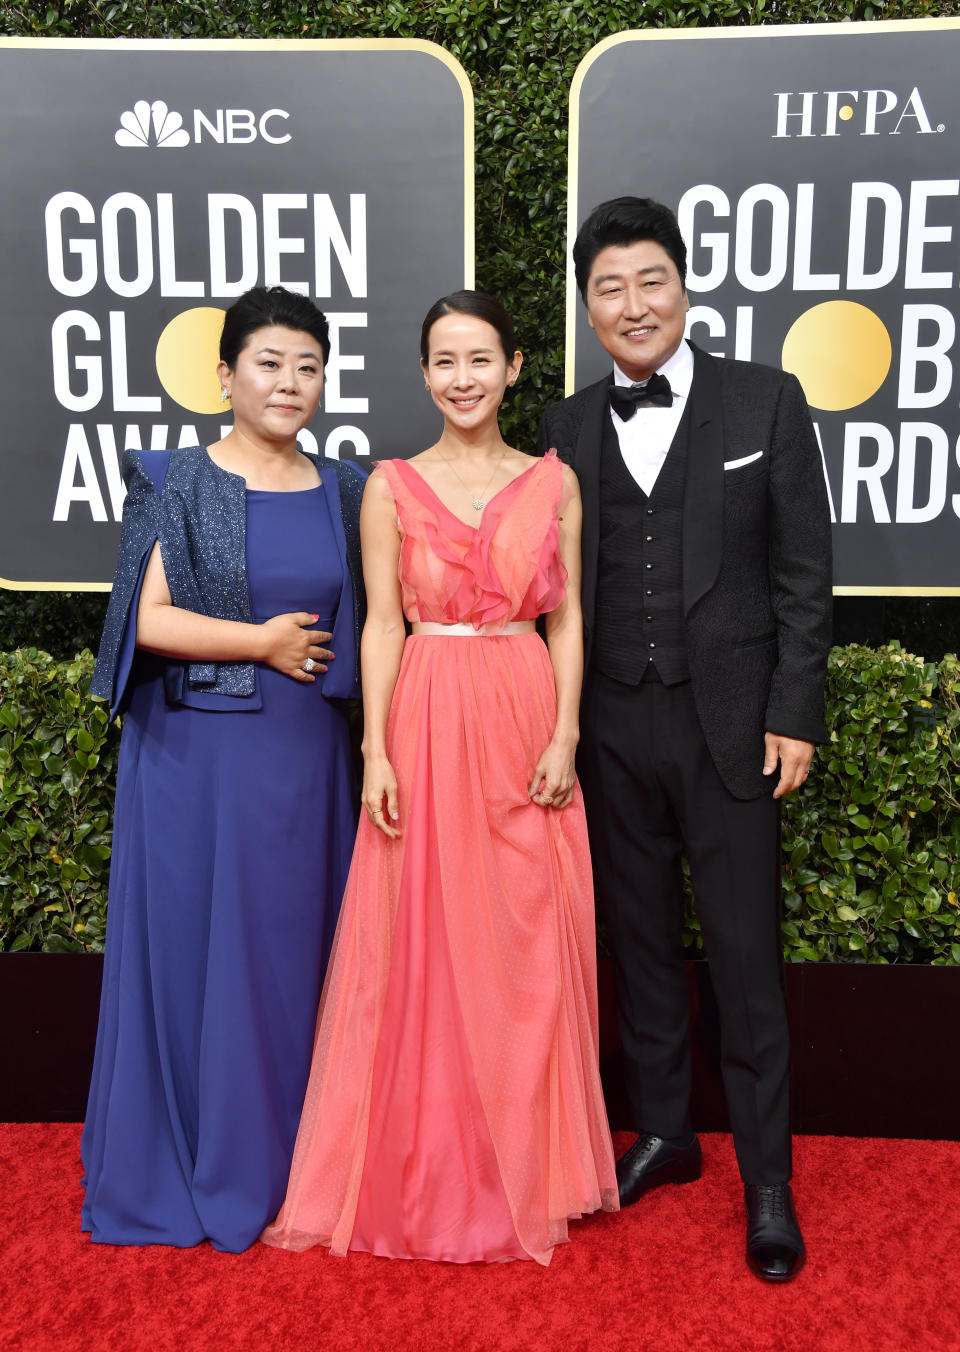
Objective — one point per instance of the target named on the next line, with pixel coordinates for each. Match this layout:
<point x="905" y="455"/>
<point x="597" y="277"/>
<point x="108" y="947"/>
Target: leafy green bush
<point x="871" y="843"/>
<point x="57" y="763"/>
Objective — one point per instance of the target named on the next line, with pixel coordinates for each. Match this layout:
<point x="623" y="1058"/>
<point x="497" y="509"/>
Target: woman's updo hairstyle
<point x="477" y="303"/>
<point x="263" y="306"/>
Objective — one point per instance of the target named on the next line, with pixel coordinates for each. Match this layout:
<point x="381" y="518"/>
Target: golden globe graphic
<point x="150" y="185"/>
<point x="187" y="354"/>
<point x="820" y="206"/>
<point x="840" y="351"/>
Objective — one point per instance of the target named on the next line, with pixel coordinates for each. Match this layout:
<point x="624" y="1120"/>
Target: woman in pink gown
<point x="454" y="1109"/>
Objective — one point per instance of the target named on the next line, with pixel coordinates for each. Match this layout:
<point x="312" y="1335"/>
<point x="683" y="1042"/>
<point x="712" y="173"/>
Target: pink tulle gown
<point x="454" y="1109"/>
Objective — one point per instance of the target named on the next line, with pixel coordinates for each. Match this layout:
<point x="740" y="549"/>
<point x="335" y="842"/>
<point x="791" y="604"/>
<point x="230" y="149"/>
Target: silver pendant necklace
<point x="476" y="499"/>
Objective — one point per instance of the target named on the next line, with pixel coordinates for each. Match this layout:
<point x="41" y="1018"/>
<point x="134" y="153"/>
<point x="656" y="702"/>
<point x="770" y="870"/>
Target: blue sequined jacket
<point x="197" y="511"/>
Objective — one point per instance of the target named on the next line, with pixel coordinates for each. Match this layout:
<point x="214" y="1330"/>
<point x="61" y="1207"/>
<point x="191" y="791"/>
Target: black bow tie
<point x="626" y="399"/>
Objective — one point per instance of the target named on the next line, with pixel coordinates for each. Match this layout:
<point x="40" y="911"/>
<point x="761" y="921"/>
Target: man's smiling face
<point x="637" y="305"/>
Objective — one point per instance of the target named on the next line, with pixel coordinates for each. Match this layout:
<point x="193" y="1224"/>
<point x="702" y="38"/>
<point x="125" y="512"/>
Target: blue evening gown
<point x="232" y="840"/>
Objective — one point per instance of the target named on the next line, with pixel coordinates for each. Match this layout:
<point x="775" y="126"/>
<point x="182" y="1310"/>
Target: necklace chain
<point x="476" y="499"/>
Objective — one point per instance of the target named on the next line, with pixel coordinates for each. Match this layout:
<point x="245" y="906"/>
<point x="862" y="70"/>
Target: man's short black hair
<point x="622" y="221"/>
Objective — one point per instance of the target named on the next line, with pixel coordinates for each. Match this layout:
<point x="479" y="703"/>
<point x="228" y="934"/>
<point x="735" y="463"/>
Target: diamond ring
<point x="309" y="665"/>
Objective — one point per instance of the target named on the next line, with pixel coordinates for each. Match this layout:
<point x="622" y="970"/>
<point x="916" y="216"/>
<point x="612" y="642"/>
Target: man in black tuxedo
<point x="706" y="601"/>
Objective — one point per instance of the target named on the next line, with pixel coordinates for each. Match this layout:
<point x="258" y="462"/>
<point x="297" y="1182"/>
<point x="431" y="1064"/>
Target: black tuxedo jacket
<point x="756" y="555"/>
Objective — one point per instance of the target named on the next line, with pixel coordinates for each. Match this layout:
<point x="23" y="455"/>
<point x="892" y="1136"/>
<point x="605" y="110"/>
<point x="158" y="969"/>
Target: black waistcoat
<point x="639" y="630"/>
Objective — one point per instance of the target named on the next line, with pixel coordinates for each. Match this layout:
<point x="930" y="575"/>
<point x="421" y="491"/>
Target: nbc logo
<point x="137" y="124"/>
<point x="155" y="124"/>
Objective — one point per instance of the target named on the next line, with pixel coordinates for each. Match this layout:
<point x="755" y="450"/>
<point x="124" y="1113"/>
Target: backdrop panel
<point x="814" y="173"/>
<point x="147" y="184"/>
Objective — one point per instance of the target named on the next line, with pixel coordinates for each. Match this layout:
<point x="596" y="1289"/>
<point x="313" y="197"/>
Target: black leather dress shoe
<point x="651" y="1161"/>
<point x="775" y="1249"/>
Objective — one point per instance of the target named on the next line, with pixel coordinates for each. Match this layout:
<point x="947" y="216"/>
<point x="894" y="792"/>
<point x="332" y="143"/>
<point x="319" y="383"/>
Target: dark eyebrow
<point x="275" y="352"/>
<point x="475" y="352"/>
<point x="618" y="276"/>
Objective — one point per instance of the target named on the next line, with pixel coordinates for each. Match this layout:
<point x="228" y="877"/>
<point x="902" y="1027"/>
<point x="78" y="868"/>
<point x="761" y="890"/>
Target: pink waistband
<point x="468" y="631"/>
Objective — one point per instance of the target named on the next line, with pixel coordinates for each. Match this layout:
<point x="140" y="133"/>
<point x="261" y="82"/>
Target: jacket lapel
<point x="587" y="466"/>
<point x="703" y="498"/>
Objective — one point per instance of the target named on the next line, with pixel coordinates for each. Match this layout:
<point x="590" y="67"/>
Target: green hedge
<point x="872" y="843"/>
<point x="57" y="768"/>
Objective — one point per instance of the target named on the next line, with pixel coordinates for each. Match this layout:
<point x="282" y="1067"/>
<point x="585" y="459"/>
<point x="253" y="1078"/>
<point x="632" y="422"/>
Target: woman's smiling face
<point x="467" y="370"/>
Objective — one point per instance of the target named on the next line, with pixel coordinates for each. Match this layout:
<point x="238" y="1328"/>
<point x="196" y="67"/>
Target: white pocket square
<point x="744" y="460"/>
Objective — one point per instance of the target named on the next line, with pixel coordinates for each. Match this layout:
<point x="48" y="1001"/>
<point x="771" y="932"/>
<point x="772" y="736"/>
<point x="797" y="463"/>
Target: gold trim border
<point x="896" y="591"/>
<point x="251" y="45"/>
<point x="6" y="584"/>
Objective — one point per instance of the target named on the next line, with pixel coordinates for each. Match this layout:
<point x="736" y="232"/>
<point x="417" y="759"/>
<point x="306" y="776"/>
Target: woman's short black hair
<point x="477" y="303"/>
<point x="263" y="306"/>
<point x="622" y="221"/>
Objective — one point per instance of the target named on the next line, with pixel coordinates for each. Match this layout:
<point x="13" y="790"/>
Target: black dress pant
<point x="653" y="793"/>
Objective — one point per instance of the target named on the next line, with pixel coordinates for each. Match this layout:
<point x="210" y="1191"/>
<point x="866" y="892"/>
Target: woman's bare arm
<point x="282" y="642"/>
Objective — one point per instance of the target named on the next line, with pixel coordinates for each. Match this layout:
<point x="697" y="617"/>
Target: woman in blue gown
<point x="235" y="807"/>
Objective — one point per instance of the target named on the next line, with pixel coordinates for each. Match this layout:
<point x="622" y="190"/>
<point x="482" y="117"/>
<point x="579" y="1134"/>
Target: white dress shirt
<point x="646" y="437"/>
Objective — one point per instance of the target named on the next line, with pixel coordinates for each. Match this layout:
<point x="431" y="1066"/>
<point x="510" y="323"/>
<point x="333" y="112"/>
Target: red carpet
<point x="881" y="1220"/>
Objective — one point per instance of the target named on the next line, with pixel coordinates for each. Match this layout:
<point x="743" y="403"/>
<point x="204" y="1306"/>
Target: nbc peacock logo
<point x="151" y="124"/>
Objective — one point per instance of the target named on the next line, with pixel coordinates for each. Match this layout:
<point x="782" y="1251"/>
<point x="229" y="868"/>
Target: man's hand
<point x="794" y="756"/>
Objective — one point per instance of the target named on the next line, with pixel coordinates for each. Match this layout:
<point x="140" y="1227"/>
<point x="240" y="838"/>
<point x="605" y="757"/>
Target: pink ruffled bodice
<point x="508" y="567"/>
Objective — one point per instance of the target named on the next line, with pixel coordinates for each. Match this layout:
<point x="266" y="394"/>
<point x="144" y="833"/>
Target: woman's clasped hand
<point x="289" y="643"/>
